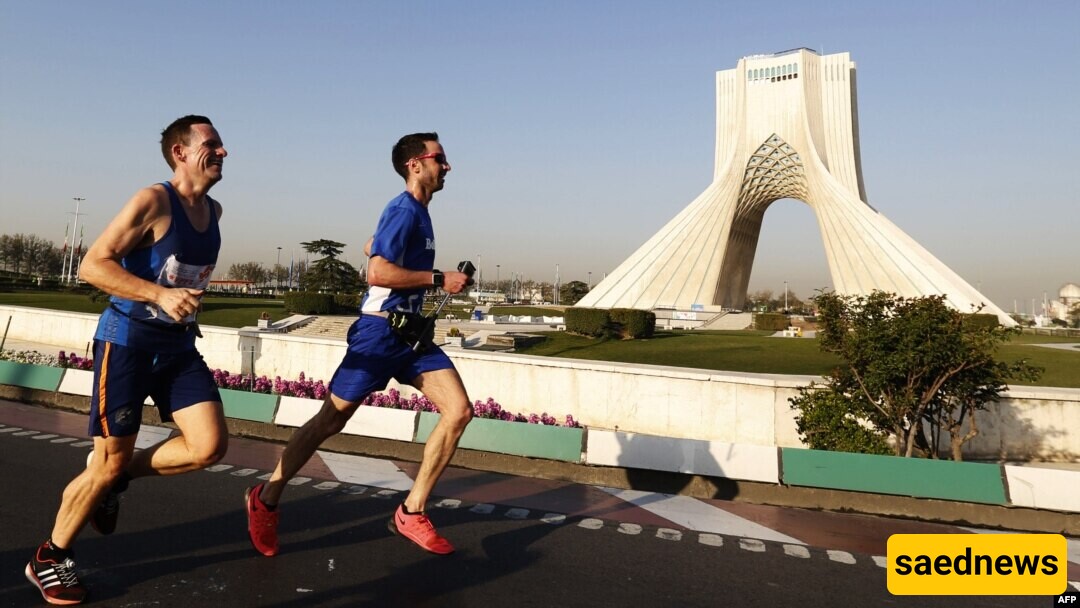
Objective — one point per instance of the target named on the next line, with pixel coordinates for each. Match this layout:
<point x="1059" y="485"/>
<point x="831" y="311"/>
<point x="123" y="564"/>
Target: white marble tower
<point x="786" y="127"/>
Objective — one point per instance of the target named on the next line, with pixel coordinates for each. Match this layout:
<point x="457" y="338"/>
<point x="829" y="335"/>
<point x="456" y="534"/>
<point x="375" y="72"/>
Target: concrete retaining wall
<point x="1031" y="423"/>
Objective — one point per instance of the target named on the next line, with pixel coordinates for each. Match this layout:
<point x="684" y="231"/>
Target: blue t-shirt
<point x="184" y="257"/>
<point x="406" y="238"/>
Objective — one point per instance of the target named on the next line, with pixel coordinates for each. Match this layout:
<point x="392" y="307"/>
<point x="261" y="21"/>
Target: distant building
<point x="226" y="286"/>
<point x="1068" y="296"/>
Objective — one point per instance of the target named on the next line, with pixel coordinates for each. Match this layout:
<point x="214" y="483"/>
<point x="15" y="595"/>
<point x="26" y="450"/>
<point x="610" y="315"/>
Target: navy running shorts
<point x="124" y="377"/>
<point x="374" y="355"/>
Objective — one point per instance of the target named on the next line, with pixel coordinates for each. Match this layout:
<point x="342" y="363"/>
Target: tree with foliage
<point x="329" y="274"/>
<point x="912" y="367"/>
<point x="572" y="292"/>
<point x="29" y="254"/>
<point x="250" y="271"/>
<point x="1074" y="314"/>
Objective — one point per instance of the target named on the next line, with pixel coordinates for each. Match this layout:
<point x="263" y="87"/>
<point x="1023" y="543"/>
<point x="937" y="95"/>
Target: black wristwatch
<point x="437" y="278"/>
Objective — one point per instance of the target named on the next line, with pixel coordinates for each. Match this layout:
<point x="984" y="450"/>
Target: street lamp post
<point x="785" y="296"/>
<point x="590" y="280"/>
<point x="72" y="275"/>
<point x="497" y="267"/>
<point x="277" y="273"/>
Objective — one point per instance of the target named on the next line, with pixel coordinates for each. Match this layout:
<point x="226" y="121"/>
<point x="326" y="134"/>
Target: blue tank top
<point x="184" y="257"/>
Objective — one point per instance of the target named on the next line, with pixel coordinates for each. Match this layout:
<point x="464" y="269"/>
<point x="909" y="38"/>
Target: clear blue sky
<point x="575" y="129"/>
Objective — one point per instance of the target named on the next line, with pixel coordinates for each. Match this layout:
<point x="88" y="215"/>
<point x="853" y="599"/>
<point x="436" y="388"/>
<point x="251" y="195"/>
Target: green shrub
<point x="631" y="323"/>
<point x="981" y="320"/>
<point x="309" y="303"/>
<point x="587" y="321"/>
<point x="825" y="421"/>
<point x="346" y="302"/>
<point x="771" y="321"/>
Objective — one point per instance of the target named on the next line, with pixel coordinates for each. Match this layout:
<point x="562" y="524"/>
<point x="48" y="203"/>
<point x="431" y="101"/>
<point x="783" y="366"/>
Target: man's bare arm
<point x="139" y="224"/>
<point x="384" y="273"/>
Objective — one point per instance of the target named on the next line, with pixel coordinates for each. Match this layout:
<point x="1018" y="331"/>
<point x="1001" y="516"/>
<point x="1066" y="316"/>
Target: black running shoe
<point x="104" y="517"/>
<point x="55" y="578"/>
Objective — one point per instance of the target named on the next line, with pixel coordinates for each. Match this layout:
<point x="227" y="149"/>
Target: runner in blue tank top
<point x="154" y="259"/>
<point x="400" y="270"/>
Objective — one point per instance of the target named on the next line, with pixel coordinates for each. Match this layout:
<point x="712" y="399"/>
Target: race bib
<point x="175" y="273"/>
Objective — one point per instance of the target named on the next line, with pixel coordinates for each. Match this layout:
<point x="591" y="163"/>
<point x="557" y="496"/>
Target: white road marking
<point x="482" y="508"/>
<point x="327" y="485"/>
<point x="367" y="471"/>
<point x="797" y="551"/>
<point x="668" y="534"/>
<point x="244" y="472"/>
<point x="448" y="503"/>
<point x="751" y="544"/>
<point x="630" y="529"/>
<point x="553" y="518"/>
<point x="881" y="560"/>
<point x="841" y="556"/>
<point x="713" y="540"/>
<point x="517" y="513"/>
<point x="150" y="435"/>
<point x="591" y="523"/>
<point x="699" y="516"/>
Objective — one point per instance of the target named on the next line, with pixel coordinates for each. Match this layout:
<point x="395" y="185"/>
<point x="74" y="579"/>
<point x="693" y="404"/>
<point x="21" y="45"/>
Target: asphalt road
<point x="182" y="542"/>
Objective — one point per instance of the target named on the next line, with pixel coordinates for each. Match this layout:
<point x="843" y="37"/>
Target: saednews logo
<point x="977" y="564"/>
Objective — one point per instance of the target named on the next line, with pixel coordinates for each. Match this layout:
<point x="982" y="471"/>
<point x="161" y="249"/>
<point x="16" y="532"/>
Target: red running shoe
<point x="417" y="528"/>
<point x="262" y="523"/>
<point x="55" y="578"/>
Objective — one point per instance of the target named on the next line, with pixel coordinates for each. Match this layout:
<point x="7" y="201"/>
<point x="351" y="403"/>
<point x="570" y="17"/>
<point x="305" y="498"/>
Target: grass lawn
<point x="223" y="312"/>
<point x="738" y="351"/>
<point x="758" y="352"/>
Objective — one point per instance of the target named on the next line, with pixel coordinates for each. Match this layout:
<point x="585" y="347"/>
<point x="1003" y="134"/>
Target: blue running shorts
<point x="124" y="377"/>
<point x="374" y="355"/>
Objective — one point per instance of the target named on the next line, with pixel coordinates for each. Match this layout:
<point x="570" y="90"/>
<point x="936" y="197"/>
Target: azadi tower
<point x="786" y="127"/>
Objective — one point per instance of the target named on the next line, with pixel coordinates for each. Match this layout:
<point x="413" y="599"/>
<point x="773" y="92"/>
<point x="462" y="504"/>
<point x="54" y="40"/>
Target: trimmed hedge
<point x="347" y="302"/>
<point x="631" y="323"/>
<point x="586" y="321"/>
<point x="771" y="321"/>
<point x="624" y="323"/>
<point x="309" y="303"/>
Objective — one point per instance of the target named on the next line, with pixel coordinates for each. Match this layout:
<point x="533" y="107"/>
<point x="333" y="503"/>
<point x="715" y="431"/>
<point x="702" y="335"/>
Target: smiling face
<point x="203" y="155"/>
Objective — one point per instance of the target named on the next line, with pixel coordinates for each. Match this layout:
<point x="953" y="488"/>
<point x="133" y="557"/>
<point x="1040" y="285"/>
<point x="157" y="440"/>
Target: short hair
<point x="408" y="147"/>
<point x="178" y="132"/>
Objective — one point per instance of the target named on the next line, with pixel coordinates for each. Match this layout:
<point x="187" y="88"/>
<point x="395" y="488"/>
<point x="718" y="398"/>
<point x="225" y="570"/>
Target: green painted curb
<point x="27" y="375"/>
<point x="918" y="477"/>
<point x="517" y="438"/>
<point x="243" y="405"/>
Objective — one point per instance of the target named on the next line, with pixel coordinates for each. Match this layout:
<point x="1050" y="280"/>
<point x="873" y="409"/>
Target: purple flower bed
<point x="74" y="361"/>
<point x="481" y="409"/>
<point x="308" y="389"/>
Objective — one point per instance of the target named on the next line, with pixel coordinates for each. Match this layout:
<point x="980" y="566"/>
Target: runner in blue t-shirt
<point x="400" y="270"/>
<point x="154" y="258"/>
